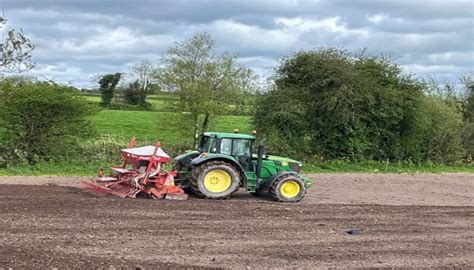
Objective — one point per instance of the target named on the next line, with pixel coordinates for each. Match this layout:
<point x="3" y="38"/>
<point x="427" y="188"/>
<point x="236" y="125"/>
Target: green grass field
<point x="158" y="102"/>
<point x="162" y="126"/>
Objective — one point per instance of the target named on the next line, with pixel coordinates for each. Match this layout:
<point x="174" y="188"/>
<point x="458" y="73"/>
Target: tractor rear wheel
<point x="288" y="188"/>
<point x="214" y="180"/>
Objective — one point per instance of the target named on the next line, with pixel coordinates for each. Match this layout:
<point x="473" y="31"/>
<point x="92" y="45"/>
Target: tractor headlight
<point x="295" y="166"/>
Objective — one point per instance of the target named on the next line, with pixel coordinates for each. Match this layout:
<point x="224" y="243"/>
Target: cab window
<point x="241" y="147"/>
<point x="226" y="146"/>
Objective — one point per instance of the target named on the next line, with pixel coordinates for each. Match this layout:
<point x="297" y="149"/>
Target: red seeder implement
<point x="141" y="173"/>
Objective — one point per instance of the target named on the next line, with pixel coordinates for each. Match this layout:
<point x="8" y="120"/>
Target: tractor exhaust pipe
<point x="260" y="152"/>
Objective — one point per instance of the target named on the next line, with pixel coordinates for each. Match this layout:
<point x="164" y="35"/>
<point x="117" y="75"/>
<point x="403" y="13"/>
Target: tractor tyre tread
<point x="198" y="171"/>
<point x="275" y="194"/>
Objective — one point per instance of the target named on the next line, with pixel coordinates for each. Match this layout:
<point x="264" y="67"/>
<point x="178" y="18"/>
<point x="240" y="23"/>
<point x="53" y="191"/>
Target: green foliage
<point x="107" y="85"/>
<point x="132" y="94"/>
<point x="143" y="73"/>
<point x="330" y="104"/>
<point x="206" y="82"/>
<point x="469" y="103"/>
<point x="468" y="131"/>
<point x="15" y="50"/>
<point x="440" y="124"/>
<point x="40" y="121"/>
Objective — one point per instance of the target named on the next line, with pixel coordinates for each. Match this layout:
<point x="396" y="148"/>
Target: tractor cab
<point x="238" y="146"/>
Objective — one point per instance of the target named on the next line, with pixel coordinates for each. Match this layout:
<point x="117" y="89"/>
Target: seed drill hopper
<point x="141" y="174"/>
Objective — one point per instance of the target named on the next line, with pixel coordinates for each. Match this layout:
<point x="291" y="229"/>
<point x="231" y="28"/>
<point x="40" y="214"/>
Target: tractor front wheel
<point x="214" y="180"/>
<point x="288" y="188"/>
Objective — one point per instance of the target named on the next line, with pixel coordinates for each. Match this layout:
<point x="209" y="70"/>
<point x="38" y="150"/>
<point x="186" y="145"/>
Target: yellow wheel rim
<point x="217" y="181"/>
<point x="290" y="189"/>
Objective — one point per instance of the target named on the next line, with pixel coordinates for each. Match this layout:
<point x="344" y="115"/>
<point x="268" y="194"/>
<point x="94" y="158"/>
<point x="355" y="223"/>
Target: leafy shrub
<point x="440" y="127"/>
<point x="107" y="87"/>
<point x="468" y="130"/>
<point x="331" y="104"/>
<point x="132" y="94"/>
<point x="41" y="121"/>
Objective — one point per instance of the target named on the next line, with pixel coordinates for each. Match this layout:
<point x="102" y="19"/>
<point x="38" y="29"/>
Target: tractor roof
<point x="229" y="135"/>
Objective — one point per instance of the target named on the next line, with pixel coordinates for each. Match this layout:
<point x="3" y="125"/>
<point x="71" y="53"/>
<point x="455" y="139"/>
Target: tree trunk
<point x="205" y="123"/>
<point x="196" y="130"/>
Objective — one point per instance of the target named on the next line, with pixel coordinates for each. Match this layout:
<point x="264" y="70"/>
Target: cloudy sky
<point x="77" y="39"/>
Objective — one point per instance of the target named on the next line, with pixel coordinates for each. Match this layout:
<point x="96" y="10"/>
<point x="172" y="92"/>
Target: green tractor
<point x="224" y="163"/>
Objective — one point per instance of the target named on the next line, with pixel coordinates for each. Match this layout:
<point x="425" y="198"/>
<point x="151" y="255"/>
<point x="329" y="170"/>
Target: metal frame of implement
<point x="141" y="173"/>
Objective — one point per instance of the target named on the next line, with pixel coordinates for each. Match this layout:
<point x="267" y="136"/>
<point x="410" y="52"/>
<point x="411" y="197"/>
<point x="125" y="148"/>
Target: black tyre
<point x="214" y="180"/>
<point x="288" y="188"/>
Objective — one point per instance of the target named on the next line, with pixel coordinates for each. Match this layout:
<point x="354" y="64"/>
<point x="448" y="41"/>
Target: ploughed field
<point x="401" y="220"/>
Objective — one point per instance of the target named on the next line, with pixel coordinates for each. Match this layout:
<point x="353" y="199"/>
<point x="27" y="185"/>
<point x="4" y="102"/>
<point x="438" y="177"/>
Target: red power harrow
<point x="141" y="173"/>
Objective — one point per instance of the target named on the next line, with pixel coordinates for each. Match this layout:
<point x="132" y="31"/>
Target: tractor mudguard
<point x="201" y="159"/>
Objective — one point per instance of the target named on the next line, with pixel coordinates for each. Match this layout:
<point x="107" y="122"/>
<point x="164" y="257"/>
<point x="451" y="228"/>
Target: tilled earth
<point x="423" y="220"/>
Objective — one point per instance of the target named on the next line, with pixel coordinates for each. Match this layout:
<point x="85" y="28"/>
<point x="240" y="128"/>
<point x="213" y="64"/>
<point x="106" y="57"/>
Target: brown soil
<point x="422" y="220"/>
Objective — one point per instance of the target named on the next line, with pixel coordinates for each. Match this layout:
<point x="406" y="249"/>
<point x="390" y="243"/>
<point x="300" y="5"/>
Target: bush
<point x="41" y="121"/>
<point x="468" y="130"/>
<point x="441" y="126"/>
<point x="132" y="94"/>
<point x="331" y="104"/>
<point x="107" y="86"/>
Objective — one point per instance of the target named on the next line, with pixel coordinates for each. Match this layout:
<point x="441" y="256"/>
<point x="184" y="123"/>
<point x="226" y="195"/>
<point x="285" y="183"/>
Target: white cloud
<point x="376" y="18"/>
<point x="79" y="39"/>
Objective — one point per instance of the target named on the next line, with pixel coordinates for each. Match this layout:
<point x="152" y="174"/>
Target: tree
<point x="15" y="50"/>
<point x="144" y="72"/>
<point x="107" y="85"/>
<point x="41" y="121"/>
<point x="206" y="82"/>
<point x="329" y="103"/>
<point x="468" y="113"/>
<point x="132" y="93"/>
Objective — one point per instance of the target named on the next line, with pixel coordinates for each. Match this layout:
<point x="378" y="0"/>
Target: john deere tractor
<point x="224" y="163"/>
